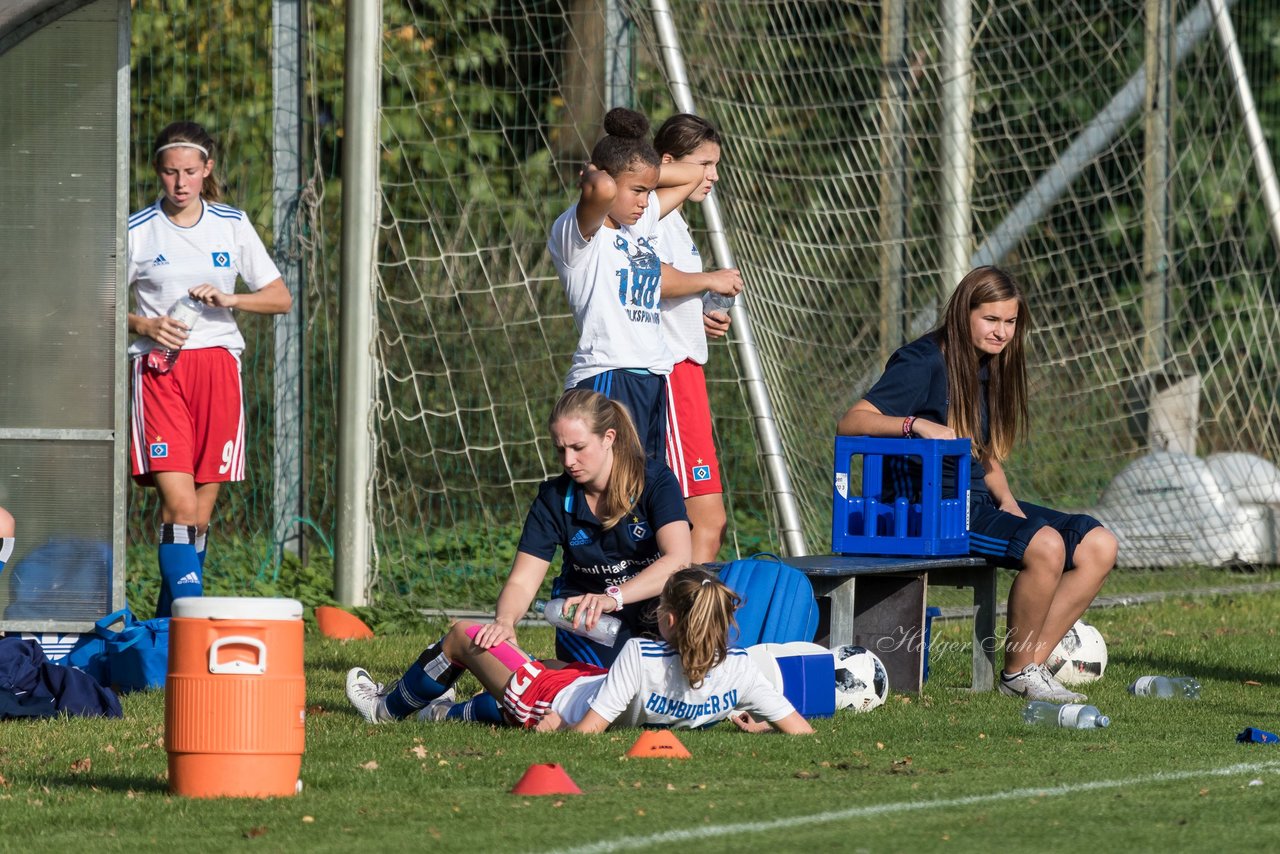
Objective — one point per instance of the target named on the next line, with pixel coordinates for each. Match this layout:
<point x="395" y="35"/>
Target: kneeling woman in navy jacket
<point x="619" y="520"/>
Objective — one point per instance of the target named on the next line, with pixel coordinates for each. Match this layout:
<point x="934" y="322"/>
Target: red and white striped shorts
<point x="530" y="690"/>
<point x="190" y="419"/>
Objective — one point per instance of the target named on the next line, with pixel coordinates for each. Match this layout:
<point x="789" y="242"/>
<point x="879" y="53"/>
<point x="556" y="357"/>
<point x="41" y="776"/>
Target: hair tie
<point x="199" y="148"/>
<point x="706" y="581"/>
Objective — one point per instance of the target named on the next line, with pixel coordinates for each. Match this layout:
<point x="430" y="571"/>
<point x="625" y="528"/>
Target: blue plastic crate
<point x="863" y="523"/>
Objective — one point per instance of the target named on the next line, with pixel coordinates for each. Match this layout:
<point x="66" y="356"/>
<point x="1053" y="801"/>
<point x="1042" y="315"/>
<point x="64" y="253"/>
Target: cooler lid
<point x="236" y="608"/>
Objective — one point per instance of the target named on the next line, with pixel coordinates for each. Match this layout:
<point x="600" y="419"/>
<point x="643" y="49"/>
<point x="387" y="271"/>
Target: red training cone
<point x="658" y="744"/>
<point x="337" y="623"/>
<point x="549" y="779"/>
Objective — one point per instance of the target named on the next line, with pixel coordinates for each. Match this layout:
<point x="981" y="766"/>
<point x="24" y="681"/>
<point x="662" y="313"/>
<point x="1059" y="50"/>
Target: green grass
<point x="445" y="787"/>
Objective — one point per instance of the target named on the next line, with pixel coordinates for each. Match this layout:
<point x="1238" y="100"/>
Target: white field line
<point x="711" y="831"/>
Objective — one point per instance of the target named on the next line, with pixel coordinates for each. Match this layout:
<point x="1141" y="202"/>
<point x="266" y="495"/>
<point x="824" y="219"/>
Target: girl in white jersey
<point x="691" y="452"/>
<point x="605" y="252"/>
<point x="689" y="679"/>
<point x="187" y="434"/>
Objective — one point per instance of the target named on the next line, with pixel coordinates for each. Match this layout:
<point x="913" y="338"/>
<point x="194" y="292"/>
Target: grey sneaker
<point x="439" y="707"/>
<point x="1075" y="696"/>
<point x="1032" y="683"/>
<point x="366" y="696"/>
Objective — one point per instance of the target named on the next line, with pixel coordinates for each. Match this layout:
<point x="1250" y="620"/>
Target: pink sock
<point x="508" y="653"/>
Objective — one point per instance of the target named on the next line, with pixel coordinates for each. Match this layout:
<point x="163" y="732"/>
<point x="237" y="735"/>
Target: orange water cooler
<point x="235" y="697"/>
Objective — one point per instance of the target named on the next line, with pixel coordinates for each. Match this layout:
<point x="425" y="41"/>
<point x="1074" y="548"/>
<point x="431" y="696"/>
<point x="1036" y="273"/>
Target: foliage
<point x="240" y="567"/>
<point x="236" y="567"/>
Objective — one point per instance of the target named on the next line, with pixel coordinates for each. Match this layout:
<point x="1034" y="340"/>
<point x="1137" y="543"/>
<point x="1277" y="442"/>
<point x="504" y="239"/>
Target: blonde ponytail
<point x="703" y="608"/>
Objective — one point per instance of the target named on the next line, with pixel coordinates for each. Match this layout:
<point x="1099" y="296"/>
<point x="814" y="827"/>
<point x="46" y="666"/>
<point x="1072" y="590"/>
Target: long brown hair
<point x="1007" y="383"/>
<point x="681" y="135"/>
<point x="190" y="132"/>
<point x="703" y="610"/>
<point x="626" y="478"/>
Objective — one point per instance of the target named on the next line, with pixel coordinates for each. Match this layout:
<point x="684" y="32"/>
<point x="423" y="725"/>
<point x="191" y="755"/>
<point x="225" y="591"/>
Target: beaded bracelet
<point x="907" y="424"/>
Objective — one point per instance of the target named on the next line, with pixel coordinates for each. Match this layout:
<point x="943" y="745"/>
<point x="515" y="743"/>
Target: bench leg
<point x="984" y="629"/>
<point x="889" y="621"/>
<point x="838" y="596"/>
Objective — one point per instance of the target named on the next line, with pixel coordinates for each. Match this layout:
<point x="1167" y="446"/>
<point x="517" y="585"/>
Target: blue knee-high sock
<point x="6" y="551"/>
<point x="482" y="708"/>
<point x="202" y="547"/>
<point x="180" y="571"/>
<point x="429" y="677"/>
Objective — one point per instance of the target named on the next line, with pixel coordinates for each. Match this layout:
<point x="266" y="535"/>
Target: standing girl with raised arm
<point x="691" y="451"/>
<point x="188" y="435"/>
<point x="605" y="252"/>
<point x="968" y="378"/>
<point x="689" y="679"/>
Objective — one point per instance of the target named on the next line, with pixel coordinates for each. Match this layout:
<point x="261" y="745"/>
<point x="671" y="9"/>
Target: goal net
<point x="1120" y="350"/>
<point x="482" y="153"/>
<point x="489" y="109"/>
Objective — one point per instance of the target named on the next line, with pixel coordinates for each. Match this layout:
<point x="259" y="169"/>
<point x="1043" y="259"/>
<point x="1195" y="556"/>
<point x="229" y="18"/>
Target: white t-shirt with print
<point x="645" y="686"/>
<point x="614" y="283"/>
<point x="682" y="316"/>
<point x="167" y="260"/>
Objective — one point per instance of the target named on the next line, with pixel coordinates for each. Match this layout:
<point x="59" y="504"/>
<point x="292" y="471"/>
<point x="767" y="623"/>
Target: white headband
<point x="199" y="148"/>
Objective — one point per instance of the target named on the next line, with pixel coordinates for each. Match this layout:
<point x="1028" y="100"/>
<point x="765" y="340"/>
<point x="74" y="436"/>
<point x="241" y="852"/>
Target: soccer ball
<point x="861" y="680"/>
<point x="1081" y="655"/>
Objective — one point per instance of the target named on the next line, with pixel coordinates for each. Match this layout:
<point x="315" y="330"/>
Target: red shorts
<point x="190" y="419"/>
<point x="690" y="452"/>
<point x="529" y="692"/>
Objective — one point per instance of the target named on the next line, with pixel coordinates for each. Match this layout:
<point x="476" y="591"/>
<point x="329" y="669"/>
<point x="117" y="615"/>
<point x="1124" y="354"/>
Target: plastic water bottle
<point x="712" y="301"/>
<point x="187" y="311"/>
<point x="1068" y="716"/>
<point x="554" y="612"/>
<point x="1166" y="687"/>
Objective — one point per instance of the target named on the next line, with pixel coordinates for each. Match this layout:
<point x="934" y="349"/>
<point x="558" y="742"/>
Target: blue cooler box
<point x="804" y="672"/>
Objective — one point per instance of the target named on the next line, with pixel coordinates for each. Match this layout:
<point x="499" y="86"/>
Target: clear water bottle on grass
<point x="555" y="613"/>
<point x="1166" y="687"/>
<point x="186" y="311"/>
<point x="1067" y="716"/>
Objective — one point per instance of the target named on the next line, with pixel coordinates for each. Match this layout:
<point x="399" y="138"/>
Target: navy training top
<point x="595" y="558"/>
<point x="915" y="383"/>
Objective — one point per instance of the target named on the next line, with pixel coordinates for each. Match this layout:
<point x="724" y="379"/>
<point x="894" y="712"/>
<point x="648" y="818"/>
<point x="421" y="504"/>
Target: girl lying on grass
<point x="689" y="679"/>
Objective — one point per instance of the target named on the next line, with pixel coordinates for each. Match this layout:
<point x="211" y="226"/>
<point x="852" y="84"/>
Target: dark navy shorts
<point x="645" y="397"/>
<point x="1002" y="537"/>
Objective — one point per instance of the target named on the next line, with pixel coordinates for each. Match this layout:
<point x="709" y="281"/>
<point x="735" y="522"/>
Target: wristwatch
<point x="615" y="592"/>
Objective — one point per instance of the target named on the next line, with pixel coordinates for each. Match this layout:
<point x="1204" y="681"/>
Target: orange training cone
<point x="337" y="623"/>
<point x="549" y="779"/>
<point x="658" y="744"/>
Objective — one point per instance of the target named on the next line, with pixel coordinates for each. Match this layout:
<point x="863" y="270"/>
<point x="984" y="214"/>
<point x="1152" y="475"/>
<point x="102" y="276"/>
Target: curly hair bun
<point x="625" y="123"/>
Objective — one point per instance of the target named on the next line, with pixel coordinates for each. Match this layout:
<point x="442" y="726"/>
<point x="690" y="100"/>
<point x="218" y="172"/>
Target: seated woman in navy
<point x="968" y="378"/>
<point x="618" y="517"/>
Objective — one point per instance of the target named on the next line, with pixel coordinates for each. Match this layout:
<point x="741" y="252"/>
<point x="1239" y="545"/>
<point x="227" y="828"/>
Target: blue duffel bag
<point x="134" y="658"/>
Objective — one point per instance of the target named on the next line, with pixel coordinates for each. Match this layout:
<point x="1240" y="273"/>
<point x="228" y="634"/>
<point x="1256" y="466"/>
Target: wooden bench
<point x="879" y="603"/>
